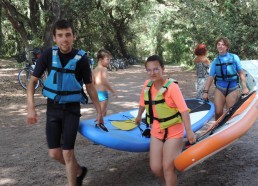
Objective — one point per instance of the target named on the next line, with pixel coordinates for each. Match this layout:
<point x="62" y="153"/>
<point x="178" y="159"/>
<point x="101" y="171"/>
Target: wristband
<point x="205" y="91"/>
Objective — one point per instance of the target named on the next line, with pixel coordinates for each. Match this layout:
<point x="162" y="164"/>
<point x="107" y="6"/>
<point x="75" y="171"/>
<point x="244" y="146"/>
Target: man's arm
<point x="31" y="111"/>
<point x="94" y="97"/>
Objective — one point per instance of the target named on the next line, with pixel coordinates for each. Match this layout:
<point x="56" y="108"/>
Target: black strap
<point x="165" y="119"/>
<point x="227" y="88"/>
<point x="150" y="110"/>
<point x="227" y="76"/>
<point x="221" y="70"/>
<point x="154" y="102"/>
<point x="165" y="135"/>
<point x="221" y="64"/>
<point x="63" y="70"/>
<point x="62" y="93"/>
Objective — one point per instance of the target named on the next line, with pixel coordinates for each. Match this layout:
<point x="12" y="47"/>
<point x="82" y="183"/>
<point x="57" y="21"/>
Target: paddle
<point x="146" y="132"/>
<point x="233" y="111"/>
<point x="123" y="124"/>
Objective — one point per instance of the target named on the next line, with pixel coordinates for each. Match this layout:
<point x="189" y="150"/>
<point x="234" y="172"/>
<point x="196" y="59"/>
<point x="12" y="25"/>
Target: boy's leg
<point x="103" y="106"/>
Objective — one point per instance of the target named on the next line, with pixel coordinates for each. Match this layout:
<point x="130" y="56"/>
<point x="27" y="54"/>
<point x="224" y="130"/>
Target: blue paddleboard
<point x="133" y="140"/>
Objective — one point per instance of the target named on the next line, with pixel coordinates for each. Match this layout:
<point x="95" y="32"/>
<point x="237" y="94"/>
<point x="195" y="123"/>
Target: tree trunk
<point x="1" y="32"/>
<point x="52" y="9"/>
<point x="16" y="20"/>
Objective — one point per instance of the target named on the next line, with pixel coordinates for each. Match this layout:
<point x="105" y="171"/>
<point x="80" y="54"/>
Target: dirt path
<point x="24" y="159"/>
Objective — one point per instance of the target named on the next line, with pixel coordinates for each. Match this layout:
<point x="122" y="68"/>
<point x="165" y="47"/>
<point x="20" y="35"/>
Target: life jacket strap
<point x="62" y="93"/>
<point x="165" y="135"/>
<point x="165" y="119"/>
<point x="221" y="64"/>
<point x="232" y="75"/>
<point x="150" y="110"/>
<point x="154" y="102"/>
<point x="62" y="70"/>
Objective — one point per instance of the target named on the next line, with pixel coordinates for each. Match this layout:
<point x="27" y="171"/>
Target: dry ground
<point x="23" y="154"/>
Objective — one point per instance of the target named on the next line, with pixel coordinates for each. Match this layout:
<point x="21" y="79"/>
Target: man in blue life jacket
<point x="68" y="69"/>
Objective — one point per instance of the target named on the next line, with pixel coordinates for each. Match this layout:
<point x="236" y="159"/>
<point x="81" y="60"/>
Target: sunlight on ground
<point x="14" y="95"/>
<point x="126" y="104"/>
<point x="7" y="181"/>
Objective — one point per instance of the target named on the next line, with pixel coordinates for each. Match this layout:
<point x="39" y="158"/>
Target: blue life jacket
<point x="61" y="85"/>
<point x="226" y="71"/>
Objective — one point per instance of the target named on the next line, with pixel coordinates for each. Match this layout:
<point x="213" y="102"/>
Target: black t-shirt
<point x="82" y="70"/>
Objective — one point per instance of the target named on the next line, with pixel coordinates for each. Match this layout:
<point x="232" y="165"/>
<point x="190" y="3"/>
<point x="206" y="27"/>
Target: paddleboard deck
<point x="234" y="123"/>
<point x="132" y="140"/>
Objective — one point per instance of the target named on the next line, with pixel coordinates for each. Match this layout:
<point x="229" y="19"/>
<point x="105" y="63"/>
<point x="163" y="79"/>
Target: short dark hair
<point x="201" y="49"/>
<point x="62" y="24"/>
<point x="225" y="40"/>
<point x="155" y="58"/>
<point x="102" y="53"/>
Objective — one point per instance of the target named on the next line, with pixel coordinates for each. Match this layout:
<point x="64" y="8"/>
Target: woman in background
<point x="202" y="64"/>
<point x="226" y="70"/>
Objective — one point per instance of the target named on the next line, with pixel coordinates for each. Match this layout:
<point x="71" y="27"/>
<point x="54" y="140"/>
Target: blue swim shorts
<point x="102" y="95"/>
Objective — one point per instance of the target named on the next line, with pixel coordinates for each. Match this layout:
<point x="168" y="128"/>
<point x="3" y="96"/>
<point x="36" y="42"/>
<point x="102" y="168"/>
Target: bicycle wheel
<point x="111" y="67"/>
<point x="24" y="78"/>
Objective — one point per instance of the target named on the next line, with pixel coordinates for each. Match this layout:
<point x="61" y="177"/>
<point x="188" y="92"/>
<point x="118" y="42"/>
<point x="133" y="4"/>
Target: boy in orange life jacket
<point x="100" y="79"/>
<point x="166" y="138"/>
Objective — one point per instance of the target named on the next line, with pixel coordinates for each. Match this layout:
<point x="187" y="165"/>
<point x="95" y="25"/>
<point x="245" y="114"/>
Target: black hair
<point x="62" y="24"/>
<point x="155" y="58"/>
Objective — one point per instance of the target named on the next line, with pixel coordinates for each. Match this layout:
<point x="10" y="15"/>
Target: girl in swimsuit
<point x="226" y="68"/>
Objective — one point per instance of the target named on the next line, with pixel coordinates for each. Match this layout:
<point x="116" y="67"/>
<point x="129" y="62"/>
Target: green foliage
<point x="140" y="28"/>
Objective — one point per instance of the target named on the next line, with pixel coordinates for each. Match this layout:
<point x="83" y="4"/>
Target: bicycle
<point x="113" y="66"/>
<point x="26" y="72"/>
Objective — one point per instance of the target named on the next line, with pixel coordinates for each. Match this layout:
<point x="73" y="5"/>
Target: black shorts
<point x="62" y="124"/>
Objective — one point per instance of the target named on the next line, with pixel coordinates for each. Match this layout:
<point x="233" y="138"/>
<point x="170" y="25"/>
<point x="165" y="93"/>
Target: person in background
<point x="162" y="98"/>
<point x="100" y="77"/>
<point x="68" y="69"/>
<point x="202" y="64"/>
<point x="91" y="60"/>
<point x="226" y="69"/>
<point x="91" y="63"/>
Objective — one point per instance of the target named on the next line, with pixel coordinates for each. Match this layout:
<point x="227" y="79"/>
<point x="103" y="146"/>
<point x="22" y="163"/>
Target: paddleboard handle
<point x="188" y="145"/>
<point x="102" y="126"/>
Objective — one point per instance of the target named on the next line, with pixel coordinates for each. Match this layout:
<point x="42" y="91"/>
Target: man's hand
<point x="32" y="117"/>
